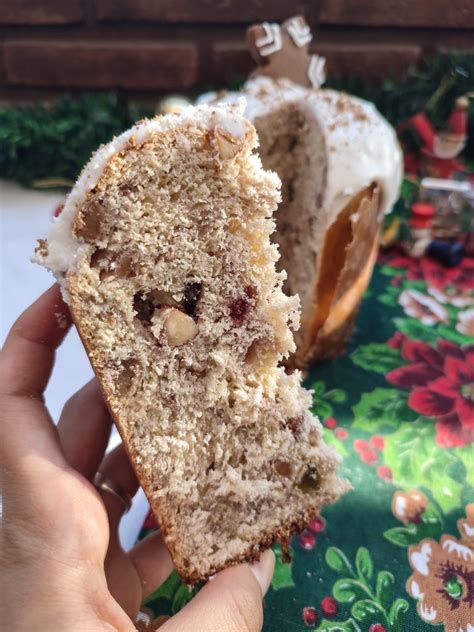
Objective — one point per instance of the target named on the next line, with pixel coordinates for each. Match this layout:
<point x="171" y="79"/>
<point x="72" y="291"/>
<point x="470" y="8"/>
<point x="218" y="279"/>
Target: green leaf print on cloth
<point x="377" y="357"/>
<point x="282" y="577"/>
<point x="416" y="461"/>
<point x="383" y="409"/>
<point x="370" y="604"/>
<point x="323" y="399"/>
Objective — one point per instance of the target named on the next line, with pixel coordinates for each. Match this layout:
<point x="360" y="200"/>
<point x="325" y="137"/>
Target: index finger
<point x="28" y="353"/>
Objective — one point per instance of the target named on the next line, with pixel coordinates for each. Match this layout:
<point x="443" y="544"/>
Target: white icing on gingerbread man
<point x="282" y="51"/>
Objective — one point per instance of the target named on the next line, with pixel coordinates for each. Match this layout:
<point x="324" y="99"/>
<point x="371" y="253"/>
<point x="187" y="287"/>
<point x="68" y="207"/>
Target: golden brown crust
<point x="328" y="333"/>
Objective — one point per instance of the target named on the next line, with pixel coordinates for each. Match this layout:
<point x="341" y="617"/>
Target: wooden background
<point x="155" y="46"/>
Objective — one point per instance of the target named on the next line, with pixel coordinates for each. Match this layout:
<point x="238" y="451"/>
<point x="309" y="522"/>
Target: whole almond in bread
<point x="164" y="255"/>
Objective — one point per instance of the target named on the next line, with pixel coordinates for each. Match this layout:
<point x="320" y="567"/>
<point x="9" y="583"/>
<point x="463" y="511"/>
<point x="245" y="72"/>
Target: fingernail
<point x="263" y="570"/>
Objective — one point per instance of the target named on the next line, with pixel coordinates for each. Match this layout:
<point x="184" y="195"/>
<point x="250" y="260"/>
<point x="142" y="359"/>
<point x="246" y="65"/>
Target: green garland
<point x="54" y="143"/>
<point x="41" y="145"/>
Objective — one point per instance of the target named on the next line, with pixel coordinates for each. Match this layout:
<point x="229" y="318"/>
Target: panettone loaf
<point x="340" y="166"/>
<point x="164" y="255"/>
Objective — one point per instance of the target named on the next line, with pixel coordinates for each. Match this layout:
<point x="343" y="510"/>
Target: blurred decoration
<point x="431" y="88"/>
<point x="282" y="51"/>
<point x="420" y="235"/>
<point x="433" y="217"/>
<point x="439" y="154"/>
<point x="49" y="142"/>
<point x="172" y="104"/>
<point x="43" y="145"/>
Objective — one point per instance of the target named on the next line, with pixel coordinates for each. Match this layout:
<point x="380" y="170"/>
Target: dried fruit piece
<point x="192" y="293"/>
<point x="251" y="291"/>
<point x="111" y="263"/>
<point x="283" y="468"/>
<point x="88" y="222"/>
<point x="238" y="309"/>
<point x="101" y="258"/>
<point x="294" y="424"/>
<point x="144" y="306"/>
<point x="309" y="480"/>
<point x="128" y="370"/>
<point x="124" y="268"/>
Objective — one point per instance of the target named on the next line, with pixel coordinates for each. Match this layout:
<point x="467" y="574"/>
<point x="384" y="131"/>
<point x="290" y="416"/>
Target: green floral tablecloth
<point x="396" y="553"/>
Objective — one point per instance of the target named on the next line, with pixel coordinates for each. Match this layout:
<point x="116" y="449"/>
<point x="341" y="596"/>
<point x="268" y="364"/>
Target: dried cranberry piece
<point x="294" y="424"/>
<point x="192" y="292"/>
<point x="310" y="480"/>
<point x="238" y="309"/>
<point x="251" y="291"/>
<point x="144" y="308"/>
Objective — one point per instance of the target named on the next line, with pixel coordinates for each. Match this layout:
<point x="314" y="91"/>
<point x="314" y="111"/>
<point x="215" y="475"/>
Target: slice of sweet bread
<point x="163" y="252"/>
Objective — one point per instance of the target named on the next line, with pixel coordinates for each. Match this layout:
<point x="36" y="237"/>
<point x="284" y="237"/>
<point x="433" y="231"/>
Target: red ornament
<point x="329" y="606"/>
<point x="307" y="540"/>
<point x="438" y="156"/>
<point x="341" y="433"/>
<point x="317" y="525"/>
<point x="310" y="616"/>
<point x="377" y="627"/>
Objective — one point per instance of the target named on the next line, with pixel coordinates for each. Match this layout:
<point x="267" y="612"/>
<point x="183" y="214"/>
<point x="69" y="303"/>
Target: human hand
<point x="61" y="557"/>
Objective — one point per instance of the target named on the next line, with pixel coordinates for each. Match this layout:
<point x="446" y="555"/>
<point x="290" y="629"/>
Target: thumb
<point x="230" y="602"/>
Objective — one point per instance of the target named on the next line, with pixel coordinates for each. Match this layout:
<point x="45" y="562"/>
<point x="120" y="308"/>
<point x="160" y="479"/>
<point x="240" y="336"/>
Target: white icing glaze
<point x="362" y="148"/>
<point x="64" y="249"/>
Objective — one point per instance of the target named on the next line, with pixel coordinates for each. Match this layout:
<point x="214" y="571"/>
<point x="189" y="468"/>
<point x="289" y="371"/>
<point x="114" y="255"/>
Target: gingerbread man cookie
<point x="282" y="51"/>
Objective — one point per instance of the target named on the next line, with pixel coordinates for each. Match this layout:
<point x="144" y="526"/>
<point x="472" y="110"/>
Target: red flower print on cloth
<point x="397" y="340"/>
<point x="441" y="380"/>
<point x="440" y="277"/>
<point x="434" y="274"/>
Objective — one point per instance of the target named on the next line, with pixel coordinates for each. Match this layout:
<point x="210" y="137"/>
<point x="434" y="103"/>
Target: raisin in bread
<point x="163" y="252"/>
<point x="341" y="168"/>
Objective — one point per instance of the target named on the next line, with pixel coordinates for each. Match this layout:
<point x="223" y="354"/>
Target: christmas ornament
<point x="448" y="254"/>
<point x="282" y="51"/>
<point x="440" y="148"/>
<point x="421" y="231"/>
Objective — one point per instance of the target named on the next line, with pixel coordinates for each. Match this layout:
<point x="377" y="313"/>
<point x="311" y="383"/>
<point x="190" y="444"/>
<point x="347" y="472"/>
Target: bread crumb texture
<point x="173" y="288"/>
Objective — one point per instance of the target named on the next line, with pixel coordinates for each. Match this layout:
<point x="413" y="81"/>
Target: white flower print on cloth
<point x="423" y="307"/>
